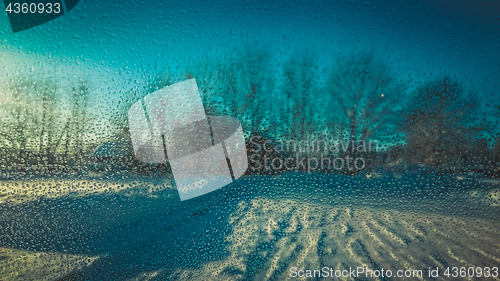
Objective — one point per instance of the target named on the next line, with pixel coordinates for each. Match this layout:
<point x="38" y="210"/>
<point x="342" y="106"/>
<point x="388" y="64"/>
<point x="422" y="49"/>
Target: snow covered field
<point x="260" y="227"/>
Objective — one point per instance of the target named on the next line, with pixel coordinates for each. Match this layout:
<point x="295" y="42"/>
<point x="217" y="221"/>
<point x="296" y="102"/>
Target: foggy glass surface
<point x="370" y="128"/>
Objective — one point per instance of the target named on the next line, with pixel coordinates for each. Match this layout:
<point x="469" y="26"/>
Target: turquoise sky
<point x="115" y="43"/>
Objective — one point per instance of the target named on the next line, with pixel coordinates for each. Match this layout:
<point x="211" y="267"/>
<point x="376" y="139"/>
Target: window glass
<point x="243" y="140"/>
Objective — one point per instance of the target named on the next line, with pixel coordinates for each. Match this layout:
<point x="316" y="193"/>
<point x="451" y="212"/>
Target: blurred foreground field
<point x="21" y="191"/>
<point x="266" y="226"/>
<point x="271" y="236"/>
<point x="24" y="265"/>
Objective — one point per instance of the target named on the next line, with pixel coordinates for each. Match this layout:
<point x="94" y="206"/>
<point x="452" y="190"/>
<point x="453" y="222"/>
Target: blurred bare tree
<point x="299" y="75"/>
<point x="241" y="86"/>
<point x="45" y="122"/>
<point x="440" y="126"/>
<point x="366" y="100"/>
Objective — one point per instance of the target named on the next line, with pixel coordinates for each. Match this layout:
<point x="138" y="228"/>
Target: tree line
<point x="358" y="98"/>
<point x="45" y="123"/>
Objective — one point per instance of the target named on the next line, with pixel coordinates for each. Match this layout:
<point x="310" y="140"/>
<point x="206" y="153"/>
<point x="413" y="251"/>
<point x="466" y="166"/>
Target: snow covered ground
<point x="260" y="227"/>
